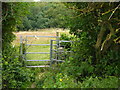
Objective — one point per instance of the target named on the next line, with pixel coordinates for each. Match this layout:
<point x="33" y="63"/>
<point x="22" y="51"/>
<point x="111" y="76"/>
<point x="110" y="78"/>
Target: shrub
<point x="60" y="80"/>
<point x="66" y="37"/>
<point x="14" y="74"/>
<point x="98" y="82"/>
<point x="84" y="56"/>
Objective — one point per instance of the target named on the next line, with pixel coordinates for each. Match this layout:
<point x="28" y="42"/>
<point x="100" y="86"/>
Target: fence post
<point x="57" y="34"/>
<point x="24" y="53"/>
<point x="57" y="42"/>
<point x="25" y="47"/>
<point x="21" y="49"/>
<point x="21" y="45"/>
<point x="51" y="44"/>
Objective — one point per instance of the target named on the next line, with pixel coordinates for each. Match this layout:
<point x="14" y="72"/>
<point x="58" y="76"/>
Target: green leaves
<point x="46" y="15"/>
<point x="14" y="75"/>
<point x="97" y="82"/>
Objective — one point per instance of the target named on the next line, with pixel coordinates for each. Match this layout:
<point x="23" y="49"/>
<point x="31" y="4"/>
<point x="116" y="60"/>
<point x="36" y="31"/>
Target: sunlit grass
<point x="38" y="49"/>
<point x="38" y="40"/>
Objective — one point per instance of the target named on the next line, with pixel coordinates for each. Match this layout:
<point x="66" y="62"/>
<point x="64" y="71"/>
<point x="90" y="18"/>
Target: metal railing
<point x="23" y="54"/>
<point x="56" y="51"/>
<point x="53" y="52"/>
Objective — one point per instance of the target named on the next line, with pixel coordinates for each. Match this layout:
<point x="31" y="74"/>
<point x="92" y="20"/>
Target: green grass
<point x="38" y="40"/>
<point x="38" y="49"/>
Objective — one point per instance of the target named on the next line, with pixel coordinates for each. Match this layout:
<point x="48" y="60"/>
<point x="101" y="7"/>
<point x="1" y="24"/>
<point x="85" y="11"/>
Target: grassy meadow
<point x="38" y="40"/>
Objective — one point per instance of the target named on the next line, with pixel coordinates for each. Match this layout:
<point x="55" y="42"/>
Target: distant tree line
<point x="45" y="15"/>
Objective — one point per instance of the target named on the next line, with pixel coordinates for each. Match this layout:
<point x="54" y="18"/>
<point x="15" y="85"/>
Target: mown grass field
<point x="38" y="40"/>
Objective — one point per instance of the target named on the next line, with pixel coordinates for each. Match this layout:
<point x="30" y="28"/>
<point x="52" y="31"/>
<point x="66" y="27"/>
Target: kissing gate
<point x="53" y="52"/>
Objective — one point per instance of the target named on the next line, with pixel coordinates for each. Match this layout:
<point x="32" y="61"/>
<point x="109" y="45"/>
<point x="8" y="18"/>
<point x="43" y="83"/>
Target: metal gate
<point x="53" y="56"/>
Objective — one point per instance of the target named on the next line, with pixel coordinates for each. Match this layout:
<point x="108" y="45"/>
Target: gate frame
<point x="23" y="55"/>
<point x="50" y="52"/>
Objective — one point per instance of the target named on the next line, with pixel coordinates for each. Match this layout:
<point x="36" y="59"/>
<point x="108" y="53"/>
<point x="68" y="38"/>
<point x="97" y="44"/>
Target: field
<point x="37" y="40"/>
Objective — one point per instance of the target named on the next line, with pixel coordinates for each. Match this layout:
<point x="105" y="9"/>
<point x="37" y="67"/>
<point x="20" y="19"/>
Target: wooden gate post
<point x="21" y="52"/>
<point x="57" y="34"/>
<point x="51" y="51"/>
<point x="57" y="42"/>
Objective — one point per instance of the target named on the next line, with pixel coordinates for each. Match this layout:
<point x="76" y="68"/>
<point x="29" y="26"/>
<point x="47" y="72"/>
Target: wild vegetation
<point x="14" y="75"/>
<point x="45" y="15"/>
<point x="94" y="61"/>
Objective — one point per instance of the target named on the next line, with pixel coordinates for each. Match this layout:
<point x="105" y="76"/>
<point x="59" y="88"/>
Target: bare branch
<point x="114" y="12"/>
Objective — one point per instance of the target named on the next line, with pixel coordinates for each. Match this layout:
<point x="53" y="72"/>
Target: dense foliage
<point x="46" y="15"/>
<point x="57" y="79"/>
<point x="14" y="75"/>
<point x="94" y="60"/>
<point x="97" y="27"/>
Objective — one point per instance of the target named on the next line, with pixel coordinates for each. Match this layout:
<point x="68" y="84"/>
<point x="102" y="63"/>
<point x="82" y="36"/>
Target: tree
<point x="99" y="20"/>
<point x="97" y="27"/>
<point x="47" y="15"/>
<point x="12" y="66"/>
